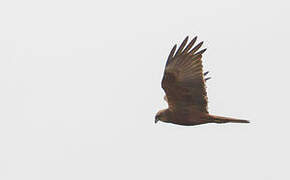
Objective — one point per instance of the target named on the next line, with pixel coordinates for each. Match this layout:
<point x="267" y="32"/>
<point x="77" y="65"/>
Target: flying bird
<point x="184" y="85"/>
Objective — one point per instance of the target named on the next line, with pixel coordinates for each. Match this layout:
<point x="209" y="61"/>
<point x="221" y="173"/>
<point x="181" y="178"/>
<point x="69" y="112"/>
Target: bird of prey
<point x="184" y="85"/>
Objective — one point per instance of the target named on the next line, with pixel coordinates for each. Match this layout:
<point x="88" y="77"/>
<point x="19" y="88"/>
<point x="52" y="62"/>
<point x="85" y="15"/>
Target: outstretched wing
<point x="183" y="80"/>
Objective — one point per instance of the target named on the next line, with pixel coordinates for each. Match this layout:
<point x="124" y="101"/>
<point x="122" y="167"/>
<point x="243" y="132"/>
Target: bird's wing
<point x="183" y="80"/>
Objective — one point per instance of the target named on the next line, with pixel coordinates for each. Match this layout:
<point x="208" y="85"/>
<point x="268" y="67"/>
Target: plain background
<point x="80" y="86"/>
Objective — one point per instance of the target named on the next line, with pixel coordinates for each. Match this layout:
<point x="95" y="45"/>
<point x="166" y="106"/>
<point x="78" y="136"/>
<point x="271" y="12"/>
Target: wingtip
<point x="185" y="40"/>
<point x="173" y="49"/>
<point x="201" y="52"/>
<point x="190" y="44"/>
<point x="171" y="54"/>
<point x="244" y="121"/>
<point x="196" y="48"/>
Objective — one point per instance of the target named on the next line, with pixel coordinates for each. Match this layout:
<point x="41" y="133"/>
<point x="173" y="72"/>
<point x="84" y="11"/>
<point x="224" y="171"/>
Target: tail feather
<point x="220" y="119"/>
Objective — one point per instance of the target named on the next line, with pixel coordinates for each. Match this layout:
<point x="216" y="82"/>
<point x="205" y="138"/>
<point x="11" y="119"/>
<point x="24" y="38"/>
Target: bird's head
<point x="161" y="116"/>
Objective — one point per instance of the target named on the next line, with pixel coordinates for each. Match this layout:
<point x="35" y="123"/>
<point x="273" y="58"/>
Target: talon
<point x="205" y="73"/>
<point x="207" y="78"/>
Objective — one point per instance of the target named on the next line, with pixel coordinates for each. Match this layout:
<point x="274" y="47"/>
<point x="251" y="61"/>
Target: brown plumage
<point x="184" y="84"/>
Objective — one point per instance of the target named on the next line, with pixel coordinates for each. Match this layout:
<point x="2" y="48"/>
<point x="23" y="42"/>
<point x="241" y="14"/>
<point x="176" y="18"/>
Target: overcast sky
<point x="80" y="86"/>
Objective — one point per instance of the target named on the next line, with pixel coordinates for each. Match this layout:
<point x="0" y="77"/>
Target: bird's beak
<point x="156" y="120"/>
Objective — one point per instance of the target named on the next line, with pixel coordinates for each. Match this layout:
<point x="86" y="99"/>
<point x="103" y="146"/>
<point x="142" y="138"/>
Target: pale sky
<point x="80" y="86"/>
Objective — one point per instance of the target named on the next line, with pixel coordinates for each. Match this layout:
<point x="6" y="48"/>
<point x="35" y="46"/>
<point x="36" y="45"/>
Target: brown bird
<point x="184" y="84"/>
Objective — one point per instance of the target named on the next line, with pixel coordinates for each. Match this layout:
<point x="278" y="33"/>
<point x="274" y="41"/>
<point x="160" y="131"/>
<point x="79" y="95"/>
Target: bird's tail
<point x="220" y="119"/>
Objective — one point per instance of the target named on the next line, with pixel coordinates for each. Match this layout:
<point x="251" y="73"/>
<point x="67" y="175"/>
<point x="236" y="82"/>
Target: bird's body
<point x="186" y="118"/>
<point x="184" y="84"/>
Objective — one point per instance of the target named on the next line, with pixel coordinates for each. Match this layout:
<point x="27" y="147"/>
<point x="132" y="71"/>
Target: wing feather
<point x="183" y="80"/>
<point x="182" y="46"/>
<point x="171" y="54"/>
<point x="189" y="46"/>
<point x="195" y="48"/>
